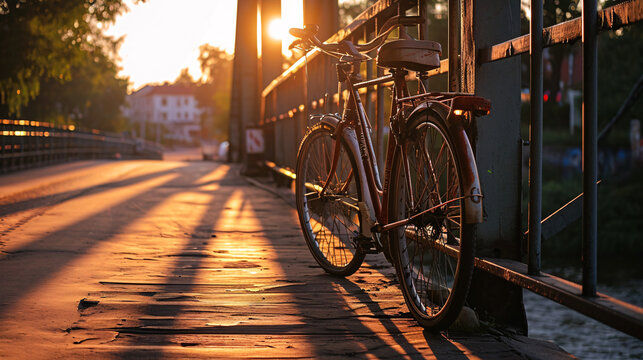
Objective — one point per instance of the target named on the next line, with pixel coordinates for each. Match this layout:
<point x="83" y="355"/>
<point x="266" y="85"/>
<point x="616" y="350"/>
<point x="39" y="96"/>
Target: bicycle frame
<point x="430" y="180"/>
<point x="355" y="127"/>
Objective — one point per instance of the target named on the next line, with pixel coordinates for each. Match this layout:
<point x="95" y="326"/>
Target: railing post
<point x="454" y="30"/>
<point x="379" y="116"/>
<point x="590" y="146"/>
<point x="495" y="139"/>
<point x="244" y="103"/>
<point x="381" y="122"/>
<point x="535" y="135"/>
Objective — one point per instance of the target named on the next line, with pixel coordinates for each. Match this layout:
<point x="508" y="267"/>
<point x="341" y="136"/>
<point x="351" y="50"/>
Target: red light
<point x="546" y="97"/>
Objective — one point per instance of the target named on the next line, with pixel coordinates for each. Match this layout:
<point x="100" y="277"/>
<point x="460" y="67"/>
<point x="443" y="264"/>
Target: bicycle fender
<point x="353" y="146"/>
<point x="329" y="119"/>
<point x="471" y="182"/>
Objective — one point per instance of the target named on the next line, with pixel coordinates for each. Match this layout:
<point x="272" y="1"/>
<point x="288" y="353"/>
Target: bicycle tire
<point x="433" y="278"/>
<point x="330" y="223"/>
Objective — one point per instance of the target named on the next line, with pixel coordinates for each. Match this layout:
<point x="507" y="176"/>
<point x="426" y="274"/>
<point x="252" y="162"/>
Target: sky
<point x="161" y="37"/>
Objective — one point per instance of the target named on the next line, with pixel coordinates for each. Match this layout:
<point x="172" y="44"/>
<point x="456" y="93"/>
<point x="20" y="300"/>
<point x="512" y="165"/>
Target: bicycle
<point x="423" y="217"/>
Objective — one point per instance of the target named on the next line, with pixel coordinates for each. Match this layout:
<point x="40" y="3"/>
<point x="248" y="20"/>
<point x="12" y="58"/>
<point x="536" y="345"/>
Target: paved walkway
<point x="185" y="259"/>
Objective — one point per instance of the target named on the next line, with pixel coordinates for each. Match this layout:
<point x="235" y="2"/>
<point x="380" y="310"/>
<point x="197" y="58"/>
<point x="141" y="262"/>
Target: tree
<point x="620" y="67"/>
<point x="91" y="98"/>
<point x="185" y="78"/>
<point x="216" y="66"/>
<point x="214" y="89"/>
<point x="556" y="12"/>
<point x="42" y="41"/>
<point x="348" y="11"/>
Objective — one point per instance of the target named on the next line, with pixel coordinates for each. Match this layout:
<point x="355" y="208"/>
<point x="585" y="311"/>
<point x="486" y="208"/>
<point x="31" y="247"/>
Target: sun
<point x="276" y="30"/>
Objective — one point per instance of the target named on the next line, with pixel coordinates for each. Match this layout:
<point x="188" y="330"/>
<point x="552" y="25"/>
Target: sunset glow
<point x="292" y="15"/>
<point x="276" y="29"/>
<point x="161" y="37"/>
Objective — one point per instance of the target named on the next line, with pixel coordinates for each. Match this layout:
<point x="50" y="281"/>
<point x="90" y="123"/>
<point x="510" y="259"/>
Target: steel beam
<point x="271" y="57"/>
<point x="590" y="146"/>
<point x="244" y="103"/>
<point x="611" y="18"/>
<point x="620" y="315"/>
<point x="454" y="30"/>
<point x="535" y="135"/>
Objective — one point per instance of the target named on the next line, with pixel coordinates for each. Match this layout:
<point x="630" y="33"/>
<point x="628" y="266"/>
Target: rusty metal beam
<point x="611" y="18"/>
<point x="620" y="315"/>
<point x="535" y="134"/>
<point x="590" y="147"/>
<point x="467" y="48"/>
<point x="454" y="44"/>
<point x="244" y="102"/>
<point x="271" y="57"/>
<point x="323" y="13"/>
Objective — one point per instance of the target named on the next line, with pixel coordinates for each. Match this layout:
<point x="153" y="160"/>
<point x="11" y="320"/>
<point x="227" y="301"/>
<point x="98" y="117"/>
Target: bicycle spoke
<point x="331" y="219"/>
<point x="428" y="196"/>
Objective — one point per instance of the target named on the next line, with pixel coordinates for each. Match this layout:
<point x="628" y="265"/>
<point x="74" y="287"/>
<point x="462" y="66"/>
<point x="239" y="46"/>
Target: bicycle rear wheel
<point x="434" y="252"/>
<point x="330" y="222"/>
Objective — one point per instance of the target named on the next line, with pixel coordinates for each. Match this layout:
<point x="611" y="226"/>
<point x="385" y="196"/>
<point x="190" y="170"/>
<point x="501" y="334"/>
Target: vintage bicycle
<point x="423" y="217"/>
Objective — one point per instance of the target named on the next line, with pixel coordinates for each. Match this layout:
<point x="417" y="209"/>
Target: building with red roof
<point x="166" y="112"/>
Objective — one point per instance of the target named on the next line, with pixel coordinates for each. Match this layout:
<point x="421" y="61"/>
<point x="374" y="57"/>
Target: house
<point x="166" y="112"/>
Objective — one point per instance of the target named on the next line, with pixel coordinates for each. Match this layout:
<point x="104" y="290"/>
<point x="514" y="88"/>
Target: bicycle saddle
<point x="308" y="31"/>
<point x="414" y="55"/>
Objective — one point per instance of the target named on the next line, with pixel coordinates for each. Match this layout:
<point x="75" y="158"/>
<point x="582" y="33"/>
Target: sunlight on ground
<point x="101" y="203"/>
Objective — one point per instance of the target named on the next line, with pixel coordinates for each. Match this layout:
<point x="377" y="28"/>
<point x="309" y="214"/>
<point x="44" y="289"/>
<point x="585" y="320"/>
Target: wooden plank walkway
<point x="187" y="260"/>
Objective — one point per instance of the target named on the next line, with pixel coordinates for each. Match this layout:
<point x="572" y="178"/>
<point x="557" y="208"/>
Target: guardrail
<point x="582" y="297"/>
<point x="287" y="101"/>
<point x="25" y="144"/>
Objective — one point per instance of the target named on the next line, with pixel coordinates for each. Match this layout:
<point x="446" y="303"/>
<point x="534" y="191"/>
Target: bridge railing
<point x="582" y="297"/>
<point x="290" y="98"/>
<point x="25" y="144"/>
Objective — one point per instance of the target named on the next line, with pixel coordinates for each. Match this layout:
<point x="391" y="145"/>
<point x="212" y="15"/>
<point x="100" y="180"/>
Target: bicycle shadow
<point x="320" y="313"/>
<point x="327" y="310"/>
<point x="385" y="340"/>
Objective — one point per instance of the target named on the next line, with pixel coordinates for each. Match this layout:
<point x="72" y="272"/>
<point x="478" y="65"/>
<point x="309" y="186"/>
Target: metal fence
<point x="290" y="98"/>
<point x="25" y="144"/>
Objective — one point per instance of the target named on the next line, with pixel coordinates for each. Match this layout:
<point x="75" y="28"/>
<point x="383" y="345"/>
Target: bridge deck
<point x="179" y="259"/>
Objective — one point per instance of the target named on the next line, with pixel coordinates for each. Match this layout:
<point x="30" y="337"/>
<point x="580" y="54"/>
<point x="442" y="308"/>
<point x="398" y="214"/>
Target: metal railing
<point x="625" y="317"/>
<point x="25" y="144"/>
<point x="287" y="101"/>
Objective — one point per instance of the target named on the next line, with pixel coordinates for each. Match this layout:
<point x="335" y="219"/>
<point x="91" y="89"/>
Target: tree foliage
<point x="213" y="91"/>
<point x="619" y="54"/>
<point x="91" y="98"/>
<point x="349" y="10"/>
<point x="185" y="78"/>
<point x="619" y="68"/>
<point x="56" y="49"/>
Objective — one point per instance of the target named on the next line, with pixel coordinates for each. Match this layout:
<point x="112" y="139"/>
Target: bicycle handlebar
<point x="308" y="34"/>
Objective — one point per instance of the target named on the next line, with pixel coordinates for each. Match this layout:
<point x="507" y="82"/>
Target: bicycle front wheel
<point x="433" y="253"/>
<point x="330" y="220"/>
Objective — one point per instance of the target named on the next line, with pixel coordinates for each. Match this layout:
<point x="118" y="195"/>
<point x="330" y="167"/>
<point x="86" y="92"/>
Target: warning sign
<point x="254" y="141"/>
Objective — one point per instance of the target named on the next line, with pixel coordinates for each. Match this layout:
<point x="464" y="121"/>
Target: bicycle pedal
<point x="365" y="244"/>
